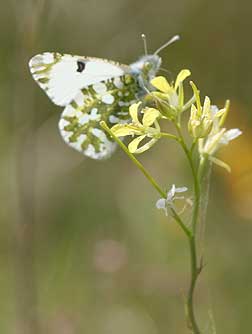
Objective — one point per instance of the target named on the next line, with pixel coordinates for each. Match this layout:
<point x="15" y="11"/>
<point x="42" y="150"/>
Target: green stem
<point x="202" y="167"/>
<point x="188" y="104"/>
<point x="180" y="222"/>
<point x="195" y="179"/>
<point x="134" y="159"/>
<point x="204" y="174"/>
<point x="147" y="175"/>
<point x="168" y="135"/>
<point x="195" y="270"/>
<point x="193" y="146"/>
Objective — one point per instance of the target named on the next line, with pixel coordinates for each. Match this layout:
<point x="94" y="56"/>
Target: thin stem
<point x="204" y="175"/>
<point x="195" y="270"/>
<point x="134" y="159"/>
<point x="193" y="146"/>
<point x="202" y="167"/>
<point x="168" y="135"/>
<point x="188" y="104"/>
<point x="147" y="175"/>
<point x="195" y="179"/>
<point x="181" y="224"/>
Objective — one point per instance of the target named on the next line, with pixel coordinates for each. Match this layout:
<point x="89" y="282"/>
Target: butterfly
<point x="92" y="90"/>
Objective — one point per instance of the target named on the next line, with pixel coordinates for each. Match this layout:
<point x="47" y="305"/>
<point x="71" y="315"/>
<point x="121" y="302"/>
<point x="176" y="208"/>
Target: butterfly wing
<point x="91" y="90"/>
<point x="62" y="76"/>
<point x="107" y="100"/>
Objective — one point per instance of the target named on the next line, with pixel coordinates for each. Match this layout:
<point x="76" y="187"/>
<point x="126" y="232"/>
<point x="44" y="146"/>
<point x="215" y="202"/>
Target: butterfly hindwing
<point x="107" y="100"/>
<point x="62" y="76"/>
<point x="91" y="90"/>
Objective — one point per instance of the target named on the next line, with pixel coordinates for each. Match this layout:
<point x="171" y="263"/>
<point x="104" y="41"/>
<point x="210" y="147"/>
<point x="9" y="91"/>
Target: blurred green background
<point x="82" y="247"/>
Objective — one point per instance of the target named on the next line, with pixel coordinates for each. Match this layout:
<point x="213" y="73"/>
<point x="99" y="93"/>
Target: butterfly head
<point x="146" y="68"/>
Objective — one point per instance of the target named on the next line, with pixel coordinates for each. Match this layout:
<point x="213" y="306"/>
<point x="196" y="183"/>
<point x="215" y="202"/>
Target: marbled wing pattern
<point x="91" y="90"/>
<point x="108" y="101"/>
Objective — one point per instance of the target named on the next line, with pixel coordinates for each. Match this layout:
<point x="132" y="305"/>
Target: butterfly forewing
<point x="91" y="90"/>
<point x="62" y="76"/>
<point x="107" y="100"/>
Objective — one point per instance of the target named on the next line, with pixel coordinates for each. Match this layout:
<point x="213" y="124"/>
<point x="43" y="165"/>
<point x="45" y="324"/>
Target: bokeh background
<point x="82" y="247"/>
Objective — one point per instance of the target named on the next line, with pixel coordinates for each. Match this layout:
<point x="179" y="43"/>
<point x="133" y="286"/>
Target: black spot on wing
<point x="80" y="66"/>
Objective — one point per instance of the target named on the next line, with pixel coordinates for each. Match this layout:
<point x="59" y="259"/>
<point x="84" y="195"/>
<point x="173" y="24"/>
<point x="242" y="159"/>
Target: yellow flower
<point x="172" y="93"/>
<point x="205" y="124"/>
<point x="206" y="119"/>
<point x="200" y="123"/>
<point x="143" y="129"/>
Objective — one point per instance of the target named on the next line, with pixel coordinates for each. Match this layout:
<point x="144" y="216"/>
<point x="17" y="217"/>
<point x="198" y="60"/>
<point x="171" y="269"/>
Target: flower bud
<point x="200" y="123"/>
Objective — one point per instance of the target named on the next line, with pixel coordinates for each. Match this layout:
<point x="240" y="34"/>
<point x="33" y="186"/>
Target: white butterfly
<point x="91" y="90"/>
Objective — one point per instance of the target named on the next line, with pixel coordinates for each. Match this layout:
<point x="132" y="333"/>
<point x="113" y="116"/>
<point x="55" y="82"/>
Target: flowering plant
<point x="205" y="125"/>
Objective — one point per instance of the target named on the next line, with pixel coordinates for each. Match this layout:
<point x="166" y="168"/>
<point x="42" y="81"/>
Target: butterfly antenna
<point x="145" y="44"/>
<point x="165" y="70"/>
<point x="171" y="76"/>
<point x="172" y="40"/>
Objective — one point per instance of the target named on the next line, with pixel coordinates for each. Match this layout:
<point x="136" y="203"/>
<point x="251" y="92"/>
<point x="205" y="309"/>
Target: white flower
<point x="165" y="203"/>
<point x="230" y="135"/>
<point x="216" y="140"/>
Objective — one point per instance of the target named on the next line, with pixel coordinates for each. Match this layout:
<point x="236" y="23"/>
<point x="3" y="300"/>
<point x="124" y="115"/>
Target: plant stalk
<point x="147" y="175"/>
<point x="195" y="269"/>
<point x="190" y="233"/>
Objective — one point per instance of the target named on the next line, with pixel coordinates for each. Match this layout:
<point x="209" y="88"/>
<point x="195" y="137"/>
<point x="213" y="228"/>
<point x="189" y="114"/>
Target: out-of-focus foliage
<point x="83" y="248"/>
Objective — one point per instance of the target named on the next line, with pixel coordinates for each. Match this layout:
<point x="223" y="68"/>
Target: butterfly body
<point x="145" y="69"/>
<point x="92" y="90"/>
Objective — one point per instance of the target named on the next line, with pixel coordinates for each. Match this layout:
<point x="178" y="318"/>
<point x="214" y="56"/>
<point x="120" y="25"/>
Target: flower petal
<point x="181" y="96"/>
<point x="121" y="130"/>
<point x="206" y="106"/>
<point x="212" y="143"/>
<point x="171" y="193"/>
<point x="149" y="117"/>
<point x="134" y="144"/>
<point x="214" y="110"/>
<point x="220" y="163"/>
<point x="146" y="146"/>
<point x="197" y="97"/>
<point x="230" y="135"/>
<point x="161" y="84"/>
<point x="181" y="77"/>
<point x="181" y="189"/>
<point x="194" y="112"/>
<point x="133" y="110"/>
<point x="161" y="204"/>
<point x="224" y="116"/>
<point x="220" y="112"/>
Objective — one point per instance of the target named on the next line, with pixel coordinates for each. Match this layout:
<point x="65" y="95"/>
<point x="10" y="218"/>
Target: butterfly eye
<point x="148" y="66"/>
<point x="80" y="66"/>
